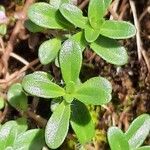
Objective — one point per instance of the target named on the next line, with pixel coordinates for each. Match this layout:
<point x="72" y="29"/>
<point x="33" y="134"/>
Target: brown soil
<point x="131" y="83"/>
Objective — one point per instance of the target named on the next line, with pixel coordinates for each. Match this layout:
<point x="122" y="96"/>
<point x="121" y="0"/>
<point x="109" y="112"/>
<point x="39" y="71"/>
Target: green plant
<point x="96" y="91"/>
<point x="17" y="98"/>
<point x="94" y="30"/>
<point x="13" y="136"/>
<point x="133" y="138"/>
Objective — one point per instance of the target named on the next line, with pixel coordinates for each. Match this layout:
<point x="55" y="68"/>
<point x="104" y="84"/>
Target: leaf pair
<point x="133" y="138"/>
<point x="13" y="135"/>
<point x="95" y="91"/>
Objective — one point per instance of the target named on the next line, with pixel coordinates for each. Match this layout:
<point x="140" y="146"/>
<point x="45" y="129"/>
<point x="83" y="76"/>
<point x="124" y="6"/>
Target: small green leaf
<point x="81" y="122"/>
<point x="117" y="139"/>
<point x="55" y="103"/>
<point x="117" y="29"/>
<point x="21" y="125"/>
<point x="138" y="130"/>
<point x="70" y="61"/>
<point x="44" y="15"/>
<point x="91" y="34"/>
<point x="73" y="14"/>
<point x="40" y="84"/>
<point x="49" y="50"/>
<point x="8" y="134"/>
<point x="144" y="148"/>
<point x="80" y="39"/>
<point x="32" y="27"/>
<point x="17" y="98"/>
<point x="30" y="140"/>
<point x="57" y="126"/>
<point x="57" y="3"/>
<point x="96" y="91"/>
<point x="96" y="11"/>
<point x="110" y="50"/>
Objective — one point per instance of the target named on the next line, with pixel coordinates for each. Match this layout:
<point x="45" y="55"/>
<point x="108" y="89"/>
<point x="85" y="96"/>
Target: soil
<point x="131" y="82"/>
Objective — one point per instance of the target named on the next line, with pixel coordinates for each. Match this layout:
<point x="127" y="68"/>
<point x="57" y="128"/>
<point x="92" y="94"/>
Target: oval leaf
<point x="116" y="139"/>
<point x="8" y="134"/>
<point x="32" y="27"/>
<point x="21" y="125"/>
<point x="96" y="11"/>
<point x="81" y="122"/>
<point x="80" y="39"/>
<point x="49" y="50"/>
<point x="117" y="29"/>
<point x="17" y="98"/>
<point x="57" y="3"/>
<point x="91" y="34"/>
<point x="138" y="131"/>
<point x="57" y="126"/>
<point x="110" y="50"/>
<point x="73" y="14"/>
<point x="70" y="61"/>
<point x="39" y="84"/>
<point x="96" y="91"/>
<point x="44" y="15"/>
<point x="30" y="140"/>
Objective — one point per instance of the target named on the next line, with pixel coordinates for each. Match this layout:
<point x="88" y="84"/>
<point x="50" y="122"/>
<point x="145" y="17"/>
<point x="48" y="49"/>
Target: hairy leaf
<point x="49" y="50"/>
<point x="21" y="125"/>
<point x="57" y="3"/>
<point x="91" y="34"/>
<point x="17" y="98"/>
<point x="73" y="14"/>
<point x="8" y="134"/>
<point x="116" y="139"/>
<point x="30" y="140"/>
<point x="81" y="122"/>
<point x="40" y="84"/>
<point x="32" y="27"/>
<point x="80" y="39"/>
<point x="110" y="50"/>
<point x="44" y="15"/>
<point x="96" y="91"/>
<point x="70" y="61"/>
<point x="117" y="29"/>
<point x="57" y="126"/>
<point x="96" y="11"/>
<point x="138" y="130"/>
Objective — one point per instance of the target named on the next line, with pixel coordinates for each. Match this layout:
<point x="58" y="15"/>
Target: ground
<point x="131" y="82"/>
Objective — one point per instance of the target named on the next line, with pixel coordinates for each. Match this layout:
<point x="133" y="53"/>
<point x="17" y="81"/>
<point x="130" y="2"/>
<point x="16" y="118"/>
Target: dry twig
<point x="83" y="4"/>
<point x="14" y="35"/>
<point x="141" y="51"/>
